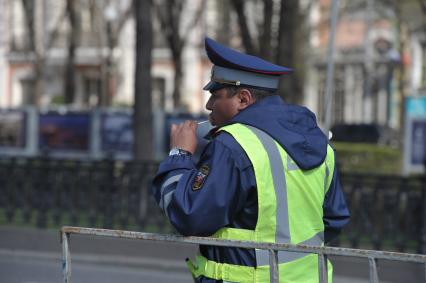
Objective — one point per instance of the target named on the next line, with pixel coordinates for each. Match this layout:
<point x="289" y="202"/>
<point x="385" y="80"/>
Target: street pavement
<point x="34" y="256"/>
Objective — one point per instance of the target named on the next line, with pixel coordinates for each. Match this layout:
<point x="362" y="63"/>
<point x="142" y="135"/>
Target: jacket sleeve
<point x="199" y="200"/>
<point x="336" y="212"/>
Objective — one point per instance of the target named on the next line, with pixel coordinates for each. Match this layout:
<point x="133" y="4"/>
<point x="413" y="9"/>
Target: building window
<point x="338" y="97"/>
<point x="92" y="90"/>
<point x="28" y="90"/>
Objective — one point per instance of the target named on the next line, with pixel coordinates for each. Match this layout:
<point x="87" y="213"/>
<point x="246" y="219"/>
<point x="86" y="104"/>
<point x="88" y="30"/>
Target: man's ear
<point x="246" y="98"/>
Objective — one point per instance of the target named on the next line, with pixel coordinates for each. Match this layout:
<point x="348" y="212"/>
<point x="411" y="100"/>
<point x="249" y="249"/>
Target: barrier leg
<point x="66" y="257"/>
<point x="323" y="268"/>
<point x="273" y="266"/>
<point x="374" y="278"/>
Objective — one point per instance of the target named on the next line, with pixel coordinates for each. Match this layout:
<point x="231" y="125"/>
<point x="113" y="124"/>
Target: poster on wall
<point x="64" y="132"/>
<point x="418" y="142"/>
<point x="415" y="135"/>
<point x="116" y="133"/>
<point x="415" y="106"/>
<point x="12" y="128"/>
<point x="415" y="146"/>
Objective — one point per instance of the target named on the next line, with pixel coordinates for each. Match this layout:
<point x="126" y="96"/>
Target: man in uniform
<point x="267" y="175"/>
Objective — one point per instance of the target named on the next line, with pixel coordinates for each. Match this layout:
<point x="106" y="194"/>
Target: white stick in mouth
<point x="202" y="122"/>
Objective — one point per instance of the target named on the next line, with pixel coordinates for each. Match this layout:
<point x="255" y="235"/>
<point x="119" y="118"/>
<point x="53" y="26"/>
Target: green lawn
<point x="83" y="221"/>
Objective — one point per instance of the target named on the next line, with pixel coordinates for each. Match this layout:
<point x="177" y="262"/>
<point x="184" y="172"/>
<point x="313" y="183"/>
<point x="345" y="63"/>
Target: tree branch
<point x="422" y="4"/>
<point x="123" y="17"/>
<point x="195" y="20"/>
<point x="29" y="19"/>
<point x="53" y="35"/>
<point x="242" y="22"/>
<point x="164" y="19"/>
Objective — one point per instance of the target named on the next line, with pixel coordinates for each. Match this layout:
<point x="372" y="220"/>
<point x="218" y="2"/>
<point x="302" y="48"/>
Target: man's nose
<point x="209" y="105"/>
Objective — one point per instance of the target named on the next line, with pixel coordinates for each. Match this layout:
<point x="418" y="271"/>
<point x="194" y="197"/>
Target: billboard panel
<point x="418" y="142"/>
<point x="415" y="145"/>
<point x="12" y="128"/>
<point x="64" y="132"/>
<point x="116" y="132"/>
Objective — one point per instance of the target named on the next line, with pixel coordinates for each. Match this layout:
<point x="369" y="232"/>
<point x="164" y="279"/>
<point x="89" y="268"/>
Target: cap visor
<point x="212" y="86"/>
<point x="208" y="85"/>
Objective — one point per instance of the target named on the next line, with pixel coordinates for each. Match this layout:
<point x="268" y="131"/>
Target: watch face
<point x="174" y="151"/>
<point x="178" y="151"/>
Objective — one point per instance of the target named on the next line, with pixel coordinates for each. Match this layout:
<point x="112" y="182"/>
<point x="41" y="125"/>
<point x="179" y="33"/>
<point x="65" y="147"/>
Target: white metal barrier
<point x="323" y="252"/>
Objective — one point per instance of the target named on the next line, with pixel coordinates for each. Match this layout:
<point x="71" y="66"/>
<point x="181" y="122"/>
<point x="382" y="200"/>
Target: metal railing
<point x="323" y="252"/>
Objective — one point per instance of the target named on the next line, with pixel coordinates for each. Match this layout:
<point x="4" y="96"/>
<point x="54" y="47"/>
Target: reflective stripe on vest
<point x="289" y="211"/>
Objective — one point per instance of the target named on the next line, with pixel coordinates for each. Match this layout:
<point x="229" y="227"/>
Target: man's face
<point x="222" y="106"/>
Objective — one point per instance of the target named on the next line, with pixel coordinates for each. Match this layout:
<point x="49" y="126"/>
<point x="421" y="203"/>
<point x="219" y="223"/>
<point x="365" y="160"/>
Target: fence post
<point x="66" y="257"/>
<point x="273" y="266"/>
<point x="374" y="277"/>
<point x="423" y="237"/>
<point x="424" y="269"/>
<point x="323" y="268"/>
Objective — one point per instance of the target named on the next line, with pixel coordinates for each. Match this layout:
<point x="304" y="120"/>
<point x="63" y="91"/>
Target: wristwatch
<point x="178" y="151"/>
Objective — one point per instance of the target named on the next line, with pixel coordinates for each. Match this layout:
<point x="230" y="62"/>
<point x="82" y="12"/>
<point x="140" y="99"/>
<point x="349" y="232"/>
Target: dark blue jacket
<point x="227" y="195"/>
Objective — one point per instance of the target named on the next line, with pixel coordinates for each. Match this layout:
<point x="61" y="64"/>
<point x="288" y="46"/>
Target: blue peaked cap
<point x="235" y="68"/>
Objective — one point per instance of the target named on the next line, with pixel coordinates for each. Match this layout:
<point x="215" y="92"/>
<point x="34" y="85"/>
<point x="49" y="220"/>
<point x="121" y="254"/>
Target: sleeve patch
<point x="200" y="178"/>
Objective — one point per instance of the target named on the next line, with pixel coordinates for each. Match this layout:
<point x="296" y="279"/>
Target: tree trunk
<point x="38" y="80"/>
<point x="239" y="7"/>
<point x="29" y="11"/>
<point x="69" y="85"/>
<point x="286" y="56"/>
<point x="142" y="116"/>
<point x="224" y="27"/>
<point x="107" y="72"/>
<point x="401" y="67"/>
<point x="177" y="80"/>
<point x="39" y="63"/>
<point x="170" y="16"/>
<point x="265" y="36"/>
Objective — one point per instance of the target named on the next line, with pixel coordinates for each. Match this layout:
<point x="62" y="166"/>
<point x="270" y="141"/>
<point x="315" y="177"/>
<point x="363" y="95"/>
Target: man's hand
<point x="183" y="136"/>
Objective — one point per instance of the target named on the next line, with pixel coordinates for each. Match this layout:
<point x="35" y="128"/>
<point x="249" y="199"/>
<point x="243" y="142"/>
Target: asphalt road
<point x="34" y="256"/>
<point x="22" y="269"/>
<point x="30" y="270"/>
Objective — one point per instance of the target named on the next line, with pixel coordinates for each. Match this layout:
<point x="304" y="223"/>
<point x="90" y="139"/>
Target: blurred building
<point x="104" y="69"/>
<point x="369" y="86"/>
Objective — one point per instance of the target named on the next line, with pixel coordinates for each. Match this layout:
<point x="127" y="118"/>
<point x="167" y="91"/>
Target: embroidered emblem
<point x="201" y="176"/>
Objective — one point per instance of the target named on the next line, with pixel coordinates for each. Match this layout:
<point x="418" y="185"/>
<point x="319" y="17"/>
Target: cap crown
<point x="226" y="57"/>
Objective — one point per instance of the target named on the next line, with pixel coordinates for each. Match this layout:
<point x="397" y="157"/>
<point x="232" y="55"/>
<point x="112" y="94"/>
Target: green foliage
<point x="368" y="158"/>
<point x="58" y="100"/>
<point x="122" y="104"/>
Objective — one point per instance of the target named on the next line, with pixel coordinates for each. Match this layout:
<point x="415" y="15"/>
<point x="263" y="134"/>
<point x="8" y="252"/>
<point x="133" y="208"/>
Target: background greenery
<point x="368" y="158"/>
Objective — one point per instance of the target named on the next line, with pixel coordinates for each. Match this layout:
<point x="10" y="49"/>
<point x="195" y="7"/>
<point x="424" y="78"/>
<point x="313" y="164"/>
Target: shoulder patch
<point x="201" y="176"/>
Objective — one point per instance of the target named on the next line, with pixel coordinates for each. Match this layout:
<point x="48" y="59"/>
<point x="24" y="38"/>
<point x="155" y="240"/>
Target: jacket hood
<point x="293" y="127"/>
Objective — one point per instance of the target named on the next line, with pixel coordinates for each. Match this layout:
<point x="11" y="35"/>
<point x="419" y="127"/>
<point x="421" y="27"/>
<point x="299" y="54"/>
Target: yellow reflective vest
<point x="290" y="210"/>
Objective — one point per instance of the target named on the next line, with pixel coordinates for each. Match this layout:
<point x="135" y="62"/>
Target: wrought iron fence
<point x="388" y="212"/>
<point x="51" y="193"/>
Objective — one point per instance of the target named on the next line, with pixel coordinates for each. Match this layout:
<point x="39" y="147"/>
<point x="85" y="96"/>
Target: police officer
<point x="267" y="175"/>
